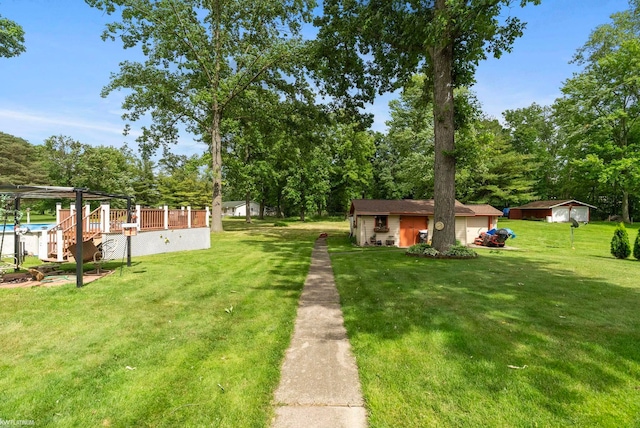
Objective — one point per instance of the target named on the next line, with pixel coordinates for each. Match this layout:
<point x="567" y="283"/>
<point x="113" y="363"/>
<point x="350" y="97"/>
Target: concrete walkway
<point x="319" y="387"/>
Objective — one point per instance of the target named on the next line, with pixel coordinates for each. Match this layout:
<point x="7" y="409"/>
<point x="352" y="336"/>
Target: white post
<point x="59" y="245"/>
<point x="138" y="211"/>
<point x="58" y="208"/>
<point x="72" y="209"/>
<point x="189" y="216"/>
<point x="105" y="213"/>
<point x="207" y="216"/>
<point x="166" y="217"/>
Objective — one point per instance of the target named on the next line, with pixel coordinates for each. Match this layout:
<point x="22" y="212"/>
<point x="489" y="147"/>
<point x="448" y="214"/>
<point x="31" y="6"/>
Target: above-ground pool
<point x="30" y="226"/>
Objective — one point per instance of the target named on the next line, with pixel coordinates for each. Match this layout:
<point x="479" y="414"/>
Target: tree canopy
<point x="378" y="45"/>
<point x="11" y="38"/>
<point x="200" y="58"/>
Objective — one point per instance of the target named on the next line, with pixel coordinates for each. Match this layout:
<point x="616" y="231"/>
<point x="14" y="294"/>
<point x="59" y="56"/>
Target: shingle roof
<point x="402" y="207"/>
<point x="551" y="204"/>
<point x="233" y="204"/>
<point x="484" y="209"/>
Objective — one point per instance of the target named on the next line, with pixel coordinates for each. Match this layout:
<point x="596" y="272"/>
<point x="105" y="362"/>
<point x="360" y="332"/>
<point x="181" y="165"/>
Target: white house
<point x="239" y="208"/>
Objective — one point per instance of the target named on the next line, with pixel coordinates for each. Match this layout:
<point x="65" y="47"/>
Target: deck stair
<point x="62" y="237"/>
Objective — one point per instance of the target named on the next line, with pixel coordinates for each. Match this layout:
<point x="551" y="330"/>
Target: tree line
<point x="282" y="115"/>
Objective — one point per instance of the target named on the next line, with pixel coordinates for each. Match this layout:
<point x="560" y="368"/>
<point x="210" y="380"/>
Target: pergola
<point x="55" y="192"/>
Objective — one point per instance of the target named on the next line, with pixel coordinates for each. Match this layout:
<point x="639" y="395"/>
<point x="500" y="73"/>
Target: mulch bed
<point x="26" y="279"/>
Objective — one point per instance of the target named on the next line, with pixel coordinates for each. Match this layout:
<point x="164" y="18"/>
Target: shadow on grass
<point x="578" y="336"/>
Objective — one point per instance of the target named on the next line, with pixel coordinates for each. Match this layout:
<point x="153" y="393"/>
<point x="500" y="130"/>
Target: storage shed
<point x="556" y="211"/>
<point x="400" y="222"/>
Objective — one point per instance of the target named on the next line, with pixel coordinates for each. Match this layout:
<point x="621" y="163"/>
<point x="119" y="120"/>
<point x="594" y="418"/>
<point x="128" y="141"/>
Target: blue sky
<point x="54" y="88"/>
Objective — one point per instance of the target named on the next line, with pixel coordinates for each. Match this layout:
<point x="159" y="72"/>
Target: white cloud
<point x="42" y="119"/>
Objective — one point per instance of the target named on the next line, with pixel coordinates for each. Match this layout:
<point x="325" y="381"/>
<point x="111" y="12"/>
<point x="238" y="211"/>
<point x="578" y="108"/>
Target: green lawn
<point x="548" y="335"/>
<point x="197" y="338"/>
<point x="183" y="339"/>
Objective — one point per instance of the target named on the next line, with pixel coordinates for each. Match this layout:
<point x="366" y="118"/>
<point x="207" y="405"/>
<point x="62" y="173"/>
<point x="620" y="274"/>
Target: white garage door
<point x="581" y="214"/>
<point x="560" y="214"/>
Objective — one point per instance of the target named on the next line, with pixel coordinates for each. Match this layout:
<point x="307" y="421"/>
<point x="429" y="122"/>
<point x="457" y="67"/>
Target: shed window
<point x="381" y="223"/>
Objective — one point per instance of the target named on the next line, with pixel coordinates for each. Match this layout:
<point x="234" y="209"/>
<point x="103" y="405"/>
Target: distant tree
<point x="600" y="108"/>
<point x="350" y="173"/>
<point x="636" y="246"/>
<point x="407" y="151"/>
<point x="145" y="183"/>
<point x="184" y="181"/>
<point x="533" y="132"/>
<point x="11" y="38"/>
<point x="620" y="247"/>
<point x="377" y="45"/>
<point x="200" y="58"/>
<point x="71" y="163"/>
<point x="21" y="162"/>
<point x="493" y="171"/>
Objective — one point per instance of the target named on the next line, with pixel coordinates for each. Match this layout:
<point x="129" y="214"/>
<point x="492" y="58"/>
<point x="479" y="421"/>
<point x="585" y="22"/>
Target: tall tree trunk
<point x="216" y="139"/>
<point x="625" y="207"/>
<point x="216" y="160"/>
<point x="248" y="207"/>
<point x="261" y="209"/>
<point x="444" y="191"/>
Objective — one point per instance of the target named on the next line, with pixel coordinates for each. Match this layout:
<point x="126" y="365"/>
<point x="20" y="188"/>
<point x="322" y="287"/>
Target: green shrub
<point x="454" y="251"/>
<point x="423" y="250"/>
<point x="636" y="246"/>
<point x="620" y="247"/>
<point x="460" y="251"/>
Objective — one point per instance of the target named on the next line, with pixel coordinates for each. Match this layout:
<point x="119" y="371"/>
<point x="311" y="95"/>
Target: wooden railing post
<point x="58" y="208"/>
<point x="207" y="216"/>
<point x="189" y="216"/>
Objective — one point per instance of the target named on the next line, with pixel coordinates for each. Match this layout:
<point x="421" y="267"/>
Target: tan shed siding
<point x="394" y="230"/>
<point x="461" y="230"/>
<point x="475" y="226"/>
<point x="365" y="226"/>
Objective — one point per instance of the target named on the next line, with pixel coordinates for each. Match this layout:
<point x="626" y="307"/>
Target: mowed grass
<point x="183" y="339"/>
<point x="548" y="335"/>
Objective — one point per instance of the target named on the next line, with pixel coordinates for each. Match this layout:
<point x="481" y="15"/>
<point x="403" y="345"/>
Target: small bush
<point x="460" y="251"/>
<point x="620" y="247"/>
<point x="423" y="250"/>
<point x="636" y="246"/>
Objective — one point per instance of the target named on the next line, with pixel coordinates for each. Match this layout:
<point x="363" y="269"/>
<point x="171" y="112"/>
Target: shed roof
<point x="539" y="205"/>
<point x="484" y="209"/>
<point x="417" y="207"/>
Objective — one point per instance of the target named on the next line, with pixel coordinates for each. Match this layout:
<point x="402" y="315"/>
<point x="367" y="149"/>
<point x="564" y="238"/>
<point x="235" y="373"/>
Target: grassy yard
<point x="182" y="339"/>
<point x="548" y="335"/>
